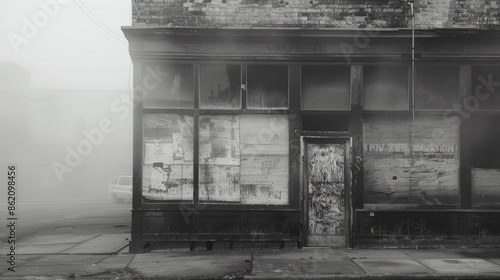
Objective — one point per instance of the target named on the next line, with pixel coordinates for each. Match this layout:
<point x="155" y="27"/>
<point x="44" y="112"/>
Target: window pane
<point x="220" y="86"/>
<point x="401" y="169"/>
<point x="219" y="159"/>
<point x="325" y="87"/>
<point x="385" y="87"/>
<point x="486" y="86"/>
<point x="168" y="86"/>
<point x="264" y="159"/>
<point x="267" y="86"/>
<point x="168" y="157"/>
<point x="436" y="87"/>
<point x="486" y="160"/>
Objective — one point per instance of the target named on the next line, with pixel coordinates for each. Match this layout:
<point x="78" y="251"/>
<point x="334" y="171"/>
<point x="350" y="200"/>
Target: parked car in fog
<point x="120" y="188"/>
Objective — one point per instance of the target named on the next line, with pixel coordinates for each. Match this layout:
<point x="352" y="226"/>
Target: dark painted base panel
<point x="257" y="230"/>
<point x="427" y="229"/>
<point x="214" y="230"/>
<point x="148" y="246"/>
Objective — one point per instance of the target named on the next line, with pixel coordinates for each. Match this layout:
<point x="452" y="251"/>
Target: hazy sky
<point x="67" y="44"/>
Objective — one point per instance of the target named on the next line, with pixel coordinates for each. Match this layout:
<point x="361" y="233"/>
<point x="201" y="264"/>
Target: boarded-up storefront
<point x="280" y="138"/>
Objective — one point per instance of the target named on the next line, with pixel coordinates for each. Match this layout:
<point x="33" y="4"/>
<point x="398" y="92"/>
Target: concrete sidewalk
<point x="106" y="257"/>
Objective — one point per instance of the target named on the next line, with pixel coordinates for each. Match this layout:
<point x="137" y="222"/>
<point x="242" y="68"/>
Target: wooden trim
<point x="437" y="211"/>
<point x="167" y="111"/>
<point x="288" y="31"/>
<point x="334" y="134"/>
<point x="213" y="111"/>
<point x="305" y="195"/>
<point x="324" y="112"/>
<point x="385" y="112"/>
<point x="349" y="211"/>
<point x="408" y="207"/>
<point x="245" y="90"/>
<point x="196" y="85"/>
<point x="196" y="157"/>
<point x="172" y="208"/>
<point x="464" y="88"/>
<point x="356" y="131"/>
<point x="196" y="135"/>
<point x="137" y="98"/>
<point x="295" y="125"/>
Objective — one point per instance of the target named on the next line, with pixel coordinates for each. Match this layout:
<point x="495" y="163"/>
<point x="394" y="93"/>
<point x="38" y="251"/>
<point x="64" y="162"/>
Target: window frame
<point x="197" y="112"/>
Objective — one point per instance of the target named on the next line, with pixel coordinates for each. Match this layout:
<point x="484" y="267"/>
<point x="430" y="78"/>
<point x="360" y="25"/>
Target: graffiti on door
<point x="326" y="188"/>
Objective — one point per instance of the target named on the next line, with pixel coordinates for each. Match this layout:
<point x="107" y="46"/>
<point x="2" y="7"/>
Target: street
<point x="70" y="217"/>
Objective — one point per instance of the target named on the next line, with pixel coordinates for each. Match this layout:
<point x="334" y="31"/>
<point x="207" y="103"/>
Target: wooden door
<point x="325" y="192"/>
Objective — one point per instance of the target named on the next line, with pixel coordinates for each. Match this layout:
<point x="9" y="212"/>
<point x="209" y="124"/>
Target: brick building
<point x="277" y="124"/>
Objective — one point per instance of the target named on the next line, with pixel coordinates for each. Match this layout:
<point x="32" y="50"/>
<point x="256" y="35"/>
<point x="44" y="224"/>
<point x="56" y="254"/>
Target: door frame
<point x="304" y="195"/>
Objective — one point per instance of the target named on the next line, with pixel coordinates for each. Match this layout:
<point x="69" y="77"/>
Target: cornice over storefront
<point x="320" y="45"/>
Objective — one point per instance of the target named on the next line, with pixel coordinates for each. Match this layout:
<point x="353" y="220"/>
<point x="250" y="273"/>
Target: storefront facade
<point x="284" y="138"/>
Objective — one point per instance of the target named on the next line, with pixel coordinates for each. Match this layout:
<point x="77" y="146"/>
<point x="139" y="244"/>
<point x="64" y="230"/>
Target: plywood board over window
<point x="219" y="159"/>
<point x="411" y="162"/>
<point x="168" y="157"/>
<point x="244" y="159"/>
<point x="264" y="159"/>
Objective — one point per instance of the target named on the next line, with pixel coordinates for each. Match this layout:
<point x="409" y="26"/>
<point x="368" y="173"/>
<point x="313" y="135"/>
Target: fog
<point x="65" y="116"/>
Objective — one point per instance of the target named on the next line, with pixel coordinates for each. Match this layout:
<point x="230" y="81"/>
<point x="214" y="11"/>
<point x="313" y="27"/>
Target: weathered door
<point x="325" y="192"/>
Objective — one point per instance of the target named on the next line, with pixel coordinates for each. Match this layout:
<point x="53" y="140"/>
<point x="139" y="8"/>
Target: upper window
<point x="386" y="88"/>
<point x="220" y="86"/>
<point x="267" y="86"/>
<point x="168" y="85"/>
<point x="325" y="87"/>
<point x="486" y="87"/>
<point x="436" y="87"/>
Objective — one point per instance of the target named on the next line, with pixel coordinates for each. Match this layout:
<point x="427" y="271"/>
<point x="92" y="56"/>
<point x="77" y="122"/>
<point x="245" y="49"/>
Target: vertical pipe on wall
<point x="412" y="80"/>
<point x="412" y="63"/>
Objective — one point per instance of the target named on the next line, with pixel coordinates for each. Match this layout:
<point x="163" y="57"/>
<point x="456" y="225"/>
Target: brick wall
<point x="318" y="13"/>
